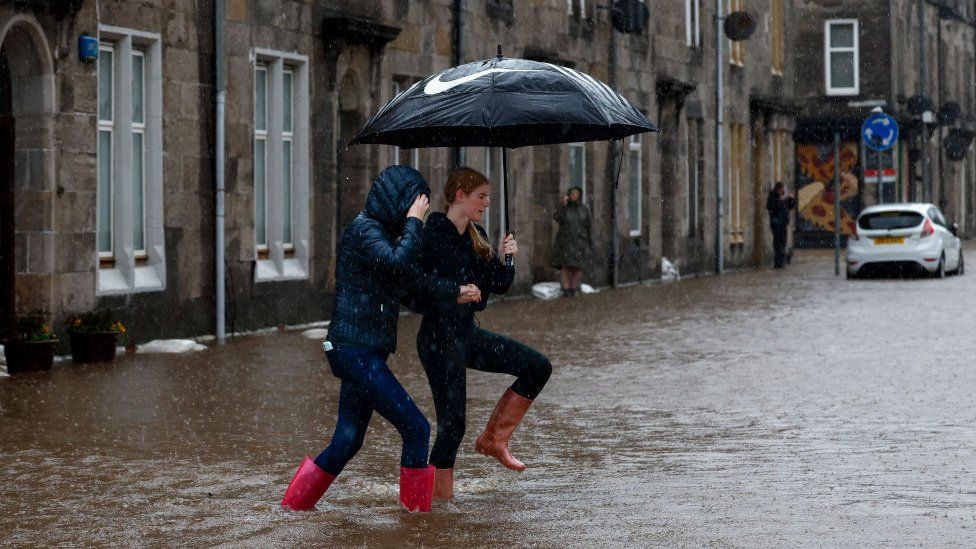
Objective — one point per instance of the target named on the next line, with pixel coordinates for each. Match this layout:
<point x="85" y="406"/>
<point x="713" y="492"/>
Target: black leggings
<point x="446" y="351"/>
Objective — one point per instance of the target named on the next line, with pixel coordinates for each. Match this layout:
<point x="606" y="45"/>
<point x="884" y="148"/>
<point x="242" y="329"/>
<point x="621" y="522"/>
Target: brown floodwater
<point x="768" y="408"/>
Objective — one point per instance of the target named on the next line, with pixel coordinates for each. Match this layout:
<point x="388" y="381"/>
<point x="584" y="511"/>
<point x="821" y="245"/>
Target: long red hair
<point x="467" y="180"/>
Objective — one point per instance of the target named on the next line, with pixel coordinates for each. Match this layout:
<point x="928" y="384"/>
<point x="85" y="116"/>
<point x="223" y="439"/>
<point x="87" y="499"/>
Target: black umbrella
<point x="502" y="102"/>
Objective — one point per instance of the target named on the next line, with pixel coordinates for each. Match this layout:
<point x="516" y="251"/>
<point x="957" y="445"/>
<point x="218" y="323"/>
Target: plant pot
<point x="93" y="346"/>
<point x="29" y="356"/>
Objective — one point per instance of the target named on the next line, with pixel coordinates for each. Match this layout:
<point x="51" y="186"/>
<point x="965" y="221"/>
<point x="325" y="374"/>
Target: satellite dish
<point x="629" y="16"/>
<point x="739" y="25"/>
<point x="917" y="104"/>
<point x="956" y="145"/>
<point x="949" y="113"/>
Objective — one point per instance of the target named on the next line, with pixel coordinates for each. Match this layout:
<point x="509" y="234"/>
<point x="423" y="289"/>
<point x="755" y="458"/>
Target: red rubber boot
<point x="443" y="483"/>
<point x="417" y="488"/>
<point x="307" y="486"/>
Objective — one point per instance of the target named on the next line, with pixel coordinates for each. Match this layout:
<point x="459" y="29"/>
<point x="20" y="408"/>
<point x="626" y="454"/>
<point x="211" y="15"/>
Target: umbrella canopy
<point x="503" y="102"/>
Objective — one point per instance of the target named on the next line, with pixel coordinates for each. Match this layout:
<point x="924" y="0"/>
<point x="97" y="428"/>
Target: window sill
<point x="267" y="271"/>
<point x="114" y="282"/>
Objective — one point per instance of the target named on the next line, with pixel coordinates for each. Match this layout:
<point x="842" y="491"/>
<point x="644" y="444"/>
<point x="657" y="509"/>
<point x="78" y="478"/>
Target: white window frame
<point x="571" y="12"/>
<point x="288" y="137"/>
<point x="856" y="49"/>
<point x="693" y="23"/>
<point x="140" y="128"/>
<point x="260" y="244"/>
<point x="134" y="270"/>
<point x="582" y="148"/>
<point x="635" y="144"/>
<point x="109" y="127"/>
<point x="281" y="260"/>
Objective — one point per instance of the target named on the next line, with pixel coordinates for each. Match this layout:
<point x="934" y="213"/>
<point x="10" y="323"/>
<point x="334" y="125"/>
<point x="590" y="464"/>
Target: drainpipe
<point x="926" y="192"/>
<point x="939" y="82"/>
<point x="219" y="284"/>
<point x="719" y="120"/>
<point x="616" y="156"/>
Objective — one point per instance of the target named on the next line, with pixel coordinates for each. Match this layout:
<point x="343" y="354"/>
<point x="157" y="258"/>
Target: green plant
<point x="31" y="327"/>
<point x="98" y="320"/>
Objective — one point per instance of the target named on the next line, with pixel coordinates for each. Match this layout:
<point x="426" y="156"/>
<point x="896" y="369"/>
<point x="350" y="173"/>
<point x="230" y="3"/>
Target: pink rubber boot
<point x="417" y="488"/>
<point x="307" y="486"/>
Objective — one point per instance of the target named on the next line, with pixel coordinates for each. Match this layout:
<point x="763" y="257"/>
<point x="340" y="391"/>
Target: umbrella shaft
<point x="509" y="260"/>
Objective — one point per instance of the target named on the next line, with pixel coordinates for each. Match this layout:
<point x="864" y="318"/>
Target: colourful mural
<point x="815" y="187"/>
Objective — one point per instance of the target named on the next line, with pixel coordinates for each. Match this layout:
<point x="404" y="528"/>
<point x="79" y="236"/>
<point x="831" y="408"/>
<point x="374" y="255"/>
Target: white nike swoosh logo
<point x="437" y="85"/>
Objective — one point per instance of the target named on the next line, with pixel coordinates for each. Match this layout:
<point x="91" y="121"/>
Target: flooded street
<point x="763" y="409"/>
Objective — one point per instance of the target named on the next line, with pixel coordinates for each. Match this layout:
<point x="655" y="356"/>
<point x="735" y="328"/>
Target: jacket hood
<point x="392" y="193"/>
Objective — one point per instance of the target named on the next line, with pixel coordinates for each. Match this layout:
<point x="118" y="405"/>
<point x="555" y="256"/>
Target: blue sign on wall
<point x="879" y="132"/>
<point x="87" y="48"/>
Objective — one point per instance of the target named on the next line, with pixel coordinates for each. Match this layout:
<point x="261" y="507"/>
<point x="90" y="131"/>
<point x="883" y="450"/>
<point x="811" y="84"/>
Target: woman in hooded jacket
<point x="461" y="270"/>
<point x="376" y="254"/>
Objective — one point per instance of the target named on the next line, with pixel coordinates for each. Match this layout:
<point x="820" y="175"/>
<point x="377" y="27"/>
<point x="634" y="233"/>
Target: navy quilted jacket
<point x="377" y="254"/>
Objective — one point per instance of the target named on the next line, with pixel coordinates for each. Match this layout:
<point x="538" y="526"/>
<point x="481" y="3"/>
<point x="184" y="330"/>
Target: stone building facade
<point x="112" y="160"/>
<point x="853" y="56"/>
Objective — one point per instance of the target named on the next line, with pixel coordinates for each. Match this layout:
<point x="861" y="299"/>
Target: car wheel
<point x="940" y="271"/>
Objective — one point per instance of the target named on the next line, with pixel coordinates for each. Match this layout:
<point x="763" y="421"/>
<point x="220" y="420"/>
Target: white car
<point x="904" y="235"/>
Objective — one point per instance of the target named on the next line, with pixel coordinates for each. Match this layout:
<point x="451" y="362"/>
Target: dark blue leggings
<point x="367" y="385"/>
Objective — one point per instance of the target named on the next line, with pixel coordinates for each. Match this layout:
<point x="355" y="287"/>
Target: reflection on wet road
<point x="768" y="408"/>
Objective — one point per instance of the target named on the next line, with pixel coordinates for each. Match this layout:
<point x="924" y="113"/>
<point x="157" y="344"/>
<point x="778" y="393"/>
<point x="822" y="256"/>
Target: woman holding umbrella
<point x="455" y="250"/>
<point x="498" y="102"/>
<point x="376" y="256"/>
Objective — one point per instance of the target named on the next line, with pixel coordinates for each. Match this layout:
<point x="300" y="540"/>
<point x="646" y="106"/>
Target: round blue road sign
<point x="879" y="132"/>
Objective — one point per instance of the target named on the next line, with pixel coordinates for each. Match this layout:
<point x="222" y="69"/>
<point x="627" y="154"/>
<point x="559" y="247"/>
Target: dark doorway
<point x="7" y="267"/>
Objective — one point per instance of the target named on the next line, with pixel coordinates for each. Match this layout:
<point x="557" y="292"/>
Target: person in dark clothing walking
<point x="574" y="240"/>
<point x="461" y="270"/>
<point x="779" y="204"/>
<point x="377" y="254"/>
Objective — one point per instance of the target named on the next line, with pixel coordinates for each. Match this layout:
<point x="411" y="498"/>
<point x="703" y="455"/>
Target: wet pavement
<point x="763" y="409"/>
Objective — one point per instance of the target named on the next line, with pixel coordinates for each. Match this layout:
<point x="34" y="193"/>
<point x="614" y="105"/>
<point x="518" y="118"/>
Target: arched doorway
<point x="27" y="127"/>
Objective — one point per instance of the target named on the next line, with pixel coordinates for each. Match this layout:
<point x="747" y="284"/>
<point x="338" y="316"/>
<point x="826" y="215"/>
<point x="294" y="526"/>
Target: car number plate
<point x="889" y="240"/>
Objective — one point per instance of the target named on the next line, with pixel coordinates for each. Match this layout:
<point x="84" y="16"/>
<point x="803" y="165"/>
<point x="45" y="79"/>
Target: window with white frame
<point x="841" y="57"/>
<point x="577" y="167"/>
<point x="576" y="8"/>
<point x="129" y="194"/>
<point x="693" y="23"/>
<point x="281" y="165"/>
<point x="408" y="157"/>
<point x="635" y="190"/>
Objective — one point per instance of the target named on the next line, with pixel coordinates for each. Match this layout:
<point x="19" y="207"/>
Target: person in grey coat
<point x="571" y="252"/>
